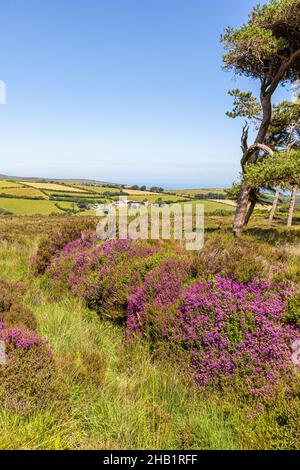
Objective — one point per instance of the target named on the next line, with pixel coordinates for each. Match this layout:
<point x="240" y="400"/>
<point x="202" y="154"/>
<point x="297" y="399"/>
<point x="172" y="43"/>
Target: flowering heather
<point x="161" y="288"/>
<point x="107" y="274"/>
<point x="17" y="338"/>
<point x="227" y="330"/>
<point x="29" y="378"/>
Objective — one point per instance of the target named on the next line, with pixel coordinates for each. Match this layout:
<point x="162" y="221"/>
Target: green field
<point x="97" y="189"/>
<point x="32" y="207"/>
<point x="212" y="206"/>
<point x="153" y="198"/>
<point x="9" y="184"/>
<point x="195" y="192"/>
<point x="75" y="196"/>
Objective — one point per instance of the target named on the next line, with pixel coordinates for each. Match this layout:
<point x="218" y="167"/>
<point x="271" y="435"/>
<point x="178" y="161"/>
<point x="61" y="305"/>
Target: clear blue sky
<point x="119" y="90"/>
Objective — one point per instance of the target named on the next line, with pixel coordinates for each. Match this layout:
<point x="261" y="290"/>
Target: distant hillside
<point x="59" y="180"/>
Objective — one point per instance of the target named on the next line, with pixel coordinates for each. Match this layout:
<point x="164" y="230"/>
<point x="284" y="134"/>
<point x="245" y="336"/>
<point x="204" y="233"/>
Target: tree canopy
<point x="283" y="169"/>
<point x="268" y="45"/>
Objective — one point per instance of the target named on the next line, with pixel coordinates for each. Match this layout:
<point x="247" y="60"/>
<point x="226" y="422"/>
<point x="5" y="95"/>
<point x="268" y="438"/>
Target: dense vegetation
<point x="125" y="321"/>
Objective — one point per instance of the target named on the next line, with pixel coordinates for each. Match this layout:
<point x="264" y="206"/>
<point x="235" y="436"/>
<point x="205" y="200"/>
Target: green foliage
<point x="245" y="105"/>
<point x="258" y="48"/>
<point x="282" y="169"/>
<point x="284" y="132"/>
<point x="233" y="192"/>
<point x="293" y="310"/>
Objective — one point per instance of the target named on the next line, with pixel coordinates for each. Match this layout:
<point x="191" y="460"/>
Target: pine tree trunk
<point x="274" y="206"/>
<point x="292" y="206"/>
<point x="241" y="209"/>
<point x="250" y="212"/>
<point x="243" y="200"/>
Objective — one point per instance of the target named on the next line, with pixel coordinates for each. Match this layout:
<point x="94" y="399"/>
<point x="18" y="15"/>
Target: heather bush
<point x="29" y="380"/>
<point x="221" y="256"/>
<point x="52" y="244"/>
<point x="6" y="297"/>
<point x="19" y="315"/>
<point x="227" y="328"/>
<point x="226" y="332"/>
<point x="107" y="274"/>
<point x="161" y="288"/>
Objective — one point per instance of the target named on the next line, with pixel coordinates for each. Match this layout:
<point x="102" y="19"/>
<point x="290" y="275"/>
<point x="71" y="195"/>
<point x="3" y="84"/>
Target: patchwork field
<point x="9" y="184"/>
<point x="195" y="192"/>
<point x="23" y="192"/>
<point x="53" y="187"/>
<point x="134" y="192"/>
<point x="153" y="198"/>
<point x="98" y="189"/>
<point x="211" y="206"/>
<point x="81" y="195"/>
<point x="31" y="207"/>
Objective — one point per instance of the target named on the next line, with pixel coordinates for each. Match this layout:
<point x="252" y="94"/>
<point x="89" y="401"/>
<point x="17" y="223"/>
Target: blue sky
<point x="119" y="90"/>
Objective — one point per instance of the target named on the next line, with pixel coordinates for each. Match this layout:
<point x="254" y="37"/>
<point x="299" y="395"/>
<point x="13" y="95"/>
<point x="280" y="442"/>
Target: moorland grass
<point x="133" y="401"/>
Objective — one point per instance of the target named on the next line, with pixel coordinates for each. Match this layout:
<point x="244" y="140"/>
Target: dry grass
<point x="9" y="184"/>
<point x="23" y="192"/>
<point x="53" y="187"/>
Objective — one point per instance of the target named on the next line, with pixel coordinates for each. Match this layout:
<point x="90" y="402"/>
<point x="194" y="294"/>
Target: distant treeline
<point x="219" y="196"/>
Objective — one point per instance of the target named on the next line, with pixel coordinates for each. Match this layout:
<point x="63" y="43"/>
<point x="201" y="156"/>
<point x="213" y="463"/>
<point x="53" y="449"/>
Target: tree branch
<point x="244" y="138"/>
<point x="254" y="149"/>
<point x="282" y="70"/>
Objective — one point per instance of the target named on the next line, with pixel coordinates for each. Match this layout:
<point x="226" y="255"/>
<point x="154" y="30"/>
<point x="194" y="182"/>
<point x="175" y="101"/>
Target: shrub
<point x="6" y="298"/>
<point x="51" y="245"/>
<point x="29" y="380"/>
<point x="107" y="274"/>
<point x="225" y="330"/>
<point x="161" y="288"/>
<point x="19" y="315"/>
<point x="221" y="256"/>
<point x="293" y="310"/>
